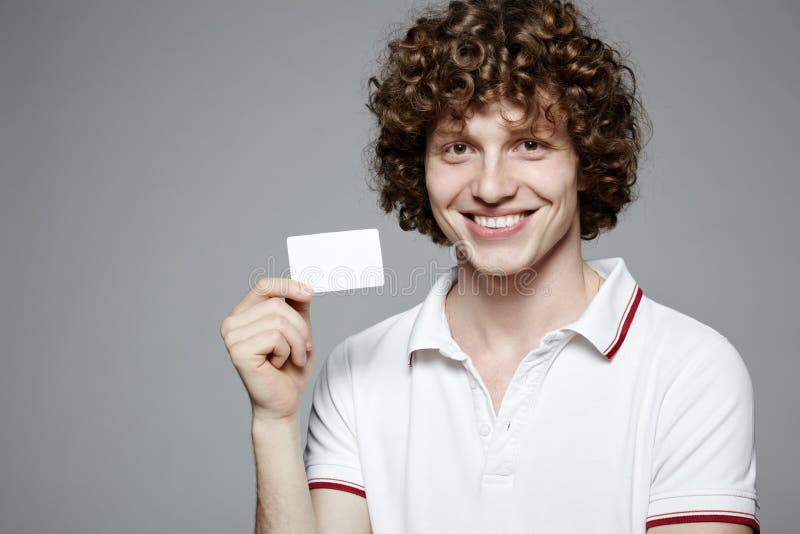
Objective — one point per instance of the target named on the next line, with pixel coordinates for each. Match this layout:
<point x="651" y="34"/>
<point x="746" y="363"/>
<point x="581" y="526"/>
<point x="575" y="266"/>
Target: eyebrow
<point x="548" y="128"/>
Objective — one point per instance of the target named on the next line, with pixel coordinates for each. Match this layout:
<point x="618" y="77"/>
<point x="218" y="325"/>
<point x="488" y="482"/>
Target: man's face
<point x="528" y="180"/>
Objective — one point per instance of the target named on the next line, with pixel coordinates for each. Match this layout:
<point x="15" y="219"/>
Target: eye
<point x="531" y="145"/>
<point x="460" y="149"/>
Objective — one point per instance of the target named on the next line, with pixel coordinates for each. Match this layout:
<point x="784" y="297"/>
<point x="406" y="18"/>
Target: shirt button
<point x="485" y="430"/>
<point x="472" y="383"/>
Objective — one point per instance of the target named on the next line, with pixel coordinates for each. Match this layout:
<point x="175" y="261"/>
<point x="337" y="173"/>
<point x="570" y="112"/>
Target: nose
<point x="493" y="184"/>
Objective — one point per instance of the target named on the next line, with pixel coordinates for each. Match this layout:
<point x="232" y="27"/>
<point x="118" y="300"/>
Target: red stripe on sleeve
<point x="718" y="518"/>
<point x="340" y="487"/>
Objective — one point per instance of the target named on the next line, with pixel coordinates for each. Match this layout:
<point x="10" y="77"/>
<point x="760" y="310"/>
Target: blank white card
<point x="336" y="261"/>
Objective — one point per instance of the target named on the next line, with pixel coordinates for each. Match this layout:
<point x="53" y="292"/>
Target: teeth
<point x="498" y="222"/>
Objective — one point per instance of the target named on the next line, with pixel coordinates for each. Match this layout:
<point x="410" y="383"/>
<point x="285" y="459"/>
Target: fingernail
<point x="304" y="358"/>
<point x="307" y="290"/>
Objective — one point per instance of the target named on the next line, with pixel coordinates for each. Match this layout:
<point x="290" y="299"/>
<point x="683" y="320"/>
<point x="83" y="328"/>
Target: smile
<point x="498" y="222"/>
<point x="497" y="227"/>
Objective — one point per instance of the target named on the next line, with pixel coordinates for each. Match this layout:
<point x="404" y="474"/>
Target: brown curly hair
<point x="473" y="52"/>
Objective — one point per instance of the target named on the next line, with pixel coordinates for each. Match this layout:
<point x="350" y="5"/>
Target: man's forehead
<point x="540" y="126"/>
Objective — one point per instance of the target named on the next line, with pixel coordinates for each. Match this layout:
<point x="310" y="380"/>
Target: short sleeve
<point x="704" y="457"/>
<point x="331" y="453"/>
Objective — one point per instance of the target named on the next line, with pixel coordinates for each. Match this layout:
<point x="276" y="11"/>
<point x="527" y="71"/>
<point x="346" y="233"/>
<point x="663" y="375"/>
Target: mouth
<point x="484" y="227"/>
<point x="505" y="221"/>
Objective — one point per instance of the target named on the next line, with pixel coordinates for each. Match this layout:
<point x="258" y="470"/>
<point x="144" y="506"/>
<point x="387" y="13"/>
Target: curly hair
<point x="470" y="53"/>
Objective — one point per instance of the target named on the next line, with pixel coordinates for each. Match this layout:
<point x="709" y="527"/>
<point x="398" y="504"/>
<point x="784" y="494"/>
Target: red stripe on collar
<point x="624" y="322"/>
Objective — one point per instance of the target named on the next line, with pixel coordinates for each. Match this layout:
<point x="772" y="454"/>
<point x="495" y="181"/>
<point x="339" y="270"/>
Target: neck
<point x="508" y="315"/>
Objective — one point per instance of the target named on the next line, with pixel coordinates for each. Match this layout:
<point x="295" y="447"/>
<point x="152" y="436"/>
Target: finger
<point x="297" y="342"/>
<point x="259" y="347"/>
<point x="302" y="307"/>
<point x="274" y="306"/>
<point x="266" y="287"/>
<point x="273" y="322"/>
<point x="281" y="354"/>
<point x="279" y="358"/>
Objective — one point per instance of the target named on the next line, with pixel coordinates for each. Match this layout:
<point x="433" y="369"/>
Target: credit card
<point x="336" y="261"/>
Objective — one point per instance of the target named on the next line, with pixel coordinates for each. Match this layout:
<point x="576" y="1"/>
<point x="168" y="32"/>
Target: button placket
<point x="499" y="444"/>
<point x="483" y="415"/>
<point x="534" y="381"/>
<point x="503" y="448"/>
<point x="487" y="412"/>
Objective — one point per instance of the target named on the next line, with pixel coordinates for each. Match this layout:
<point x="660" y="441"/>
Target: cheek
<point x="435" y="200"/>
<point x="438" y="205"/>
<point x="441" y="190"/>
<point x="433" y="193"/>
<point x="558" y="183"/>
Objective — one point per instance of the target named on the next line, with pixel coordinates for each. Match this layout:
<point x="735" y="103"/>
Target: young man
<point x="531" y="391"/>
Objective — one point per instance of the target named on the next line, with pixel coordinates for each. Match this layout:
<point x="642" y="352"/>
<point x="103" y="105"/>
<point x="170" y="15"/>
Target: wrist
<point x="263" y="424"/>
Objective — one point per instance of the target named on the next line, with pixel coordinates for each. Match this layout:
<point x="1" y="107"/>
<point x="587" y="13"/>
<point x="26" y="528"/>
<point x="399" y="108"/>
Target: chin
<point x="500" y="264"/>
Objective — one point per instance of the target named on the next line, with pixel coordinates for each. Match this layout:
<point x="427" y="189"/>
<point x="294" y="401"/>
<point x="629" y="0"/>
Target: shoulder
<point x="688" y="347"/>
<point x="672" y="326"/>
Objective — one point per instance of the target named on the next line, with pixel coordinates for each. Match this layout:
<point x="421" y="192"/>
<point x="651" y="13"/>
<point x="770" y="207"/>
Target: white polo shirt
<point x="633" y="416"/>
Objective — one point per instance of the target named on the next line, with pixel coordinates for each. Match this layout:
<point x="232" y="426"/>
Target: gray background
<point x="154" y="154"/>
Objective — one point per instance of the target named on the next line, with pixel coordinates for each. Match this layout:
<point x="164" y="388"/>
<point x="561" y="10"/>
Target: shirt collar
<point x="605" y="322"/>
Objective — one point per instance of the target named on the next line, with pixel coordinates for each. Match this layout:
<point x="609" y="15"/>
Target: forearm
<point x="283" y="499"/>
